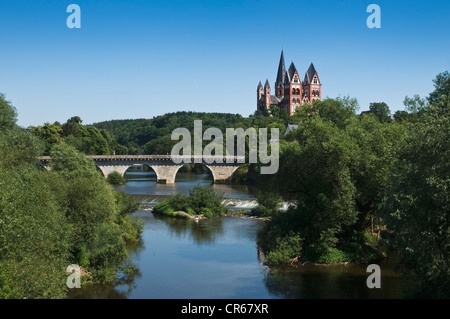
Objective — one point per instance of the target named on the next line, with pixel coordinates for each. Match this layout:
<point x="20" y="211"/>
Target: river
<point x="218" y="258"/>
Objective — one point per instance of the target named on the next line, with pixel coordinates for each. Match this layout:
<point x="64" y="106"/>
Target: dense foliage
<point x="86" y="139"/>
<point x="115" y="178"/>
<point x="417" y="199"/>
<point x="269" y="203"/>
<point x="367" y="184"/>
<point x="50" y="220"/>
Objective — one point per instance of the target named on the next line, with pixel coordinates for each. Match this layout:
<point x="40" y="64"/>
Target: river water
<point x="219" y="258"/>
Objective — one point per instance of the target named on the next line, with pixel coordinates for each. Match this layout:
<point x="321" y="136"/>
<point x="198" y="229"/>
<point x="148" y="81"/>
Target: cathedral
<point x="290" y="91"/>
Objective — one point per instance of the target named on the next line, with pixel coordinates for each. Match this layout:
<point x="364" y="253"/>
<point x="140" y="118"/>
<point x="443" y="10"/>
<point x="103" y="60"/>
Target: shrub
<point x="333" y="255"/>
<point x="269" y="203"/>
<point x="190" y="211"/>
<point x="285" y="249"/>
<point x="205" y="197"/>
<point x="178" y="202"/>
<point x="115" y="178"/>
<point x="126" y="203"/>
<point x="206" y="212"/>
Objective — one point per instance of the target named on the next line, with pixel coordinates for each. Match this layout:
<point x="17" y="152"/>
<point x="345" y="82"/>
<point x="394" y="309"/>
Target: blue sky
<point x="139" y="59"/>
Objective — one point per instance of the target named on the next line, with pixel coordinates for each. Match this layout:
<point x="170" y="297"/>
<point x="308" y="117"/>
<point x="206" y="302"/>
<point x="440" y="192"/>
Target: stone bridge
<point x="165" y="166"/>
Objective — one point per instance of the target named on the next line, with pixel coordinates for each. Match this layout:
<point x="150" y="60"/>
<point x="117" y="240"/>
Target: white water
<point x="232" y="203"/>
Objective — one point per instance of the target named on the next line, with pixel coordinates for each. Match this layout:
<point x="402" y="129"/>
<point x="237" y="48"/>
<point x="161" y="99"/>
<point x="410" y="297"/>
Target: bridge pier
<point x="165" y="174"/>
<point x="108" y="169"/>
<point x="222" y="174"/>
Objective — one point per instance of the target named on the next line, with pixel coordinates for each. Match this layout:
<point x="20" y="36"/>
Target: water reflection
<point x="331" y="282"/>
<point x="205" y="231"/>
<point x="219" y="258"/>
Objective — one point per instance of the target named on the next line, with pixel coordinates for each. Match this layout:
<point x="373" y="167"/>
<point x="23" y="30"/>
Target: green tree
<point x="34" y="233"/>
<point x="50" y="133"/>
<point x="441" y="88"/>
<point x="339" y="110"/>
<point x="93" y="210"/>
<point x="269" y="203"/>
<point x="204" y="197"/>
<point x="159" y="146"/>
<point x="35" y="236"/>
<point x="8" y="115"/>
<point x="381" y="111"/>
<point x="417" y="199"/>
<point x="115" y="178"/>
<point x="336" y="171"/>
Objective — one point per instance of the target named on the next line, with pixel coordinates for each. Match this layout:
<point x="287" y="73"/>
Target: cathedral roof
<point x="292" y="70"/>
<point x="310" y="74"/>
<point x="281" y="70"/>
<point x="275" y="100"/>
<point x="259" y="86"/>
<point x="267" y="85"/>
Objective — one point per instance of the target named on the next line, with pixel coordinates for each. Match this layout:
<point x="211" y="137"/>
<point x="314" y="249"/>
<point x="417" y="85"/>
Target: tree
<point x="338" y="110"/>
<point x="34" y="233"/>
<point x="204" y="198"/>
<point x="269" y="203"/>
<point x="75" y="120"/>
<point x="314" y="170"/>
<point x="35" y="236"/>
<point x="8" y="115"/>
<point x="335" y="167"/>
<point x="417" y="199"/>
<point x="93" y="210"/>
<point x="50" y="133"/>
<point x="115" y="178"/>
<point x="441" y="87"/>
<point x="381" y="111"/>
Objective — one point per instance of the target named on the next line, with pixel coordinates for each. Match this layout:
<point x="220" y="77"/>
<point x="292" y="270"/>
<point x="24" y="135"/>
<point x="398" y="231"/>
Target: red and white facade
<point x="290" y="91"/>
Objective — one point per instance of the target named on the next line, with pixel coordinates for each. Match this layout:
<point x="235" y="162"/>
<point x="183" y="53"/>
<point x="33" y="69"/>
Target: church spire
<point x="281" y="70"/>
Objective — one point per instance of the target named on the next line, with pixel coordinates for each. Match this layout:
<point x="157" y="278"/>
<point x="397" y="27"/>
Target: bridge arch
<point x="140" y="170"/>
<point x="195" y="168"/>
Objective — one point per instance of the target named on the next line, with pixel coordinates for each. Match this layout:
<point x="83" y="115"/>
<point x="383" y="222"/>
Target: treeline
<point x="52" y="219"/>
<point x="366" y="186"/>
<point x="153" y="136"/>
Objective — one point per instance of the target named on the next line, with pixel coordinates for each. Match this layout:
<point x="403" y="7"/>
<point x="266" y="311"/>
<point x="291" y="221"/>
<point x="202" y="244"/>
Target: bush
<point x="201" y="200"/>
<point x="206" y="212"/>
<point x="285" y="249"/>
<point x="333" y="255"/>
<point x="161" y="207"/>
<point x="115" y="178"/>
<point x="269" y="203"/>
<point x="205" y="197"/>
<point x="126" y="203"/>
<point x="179" y="202"/>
